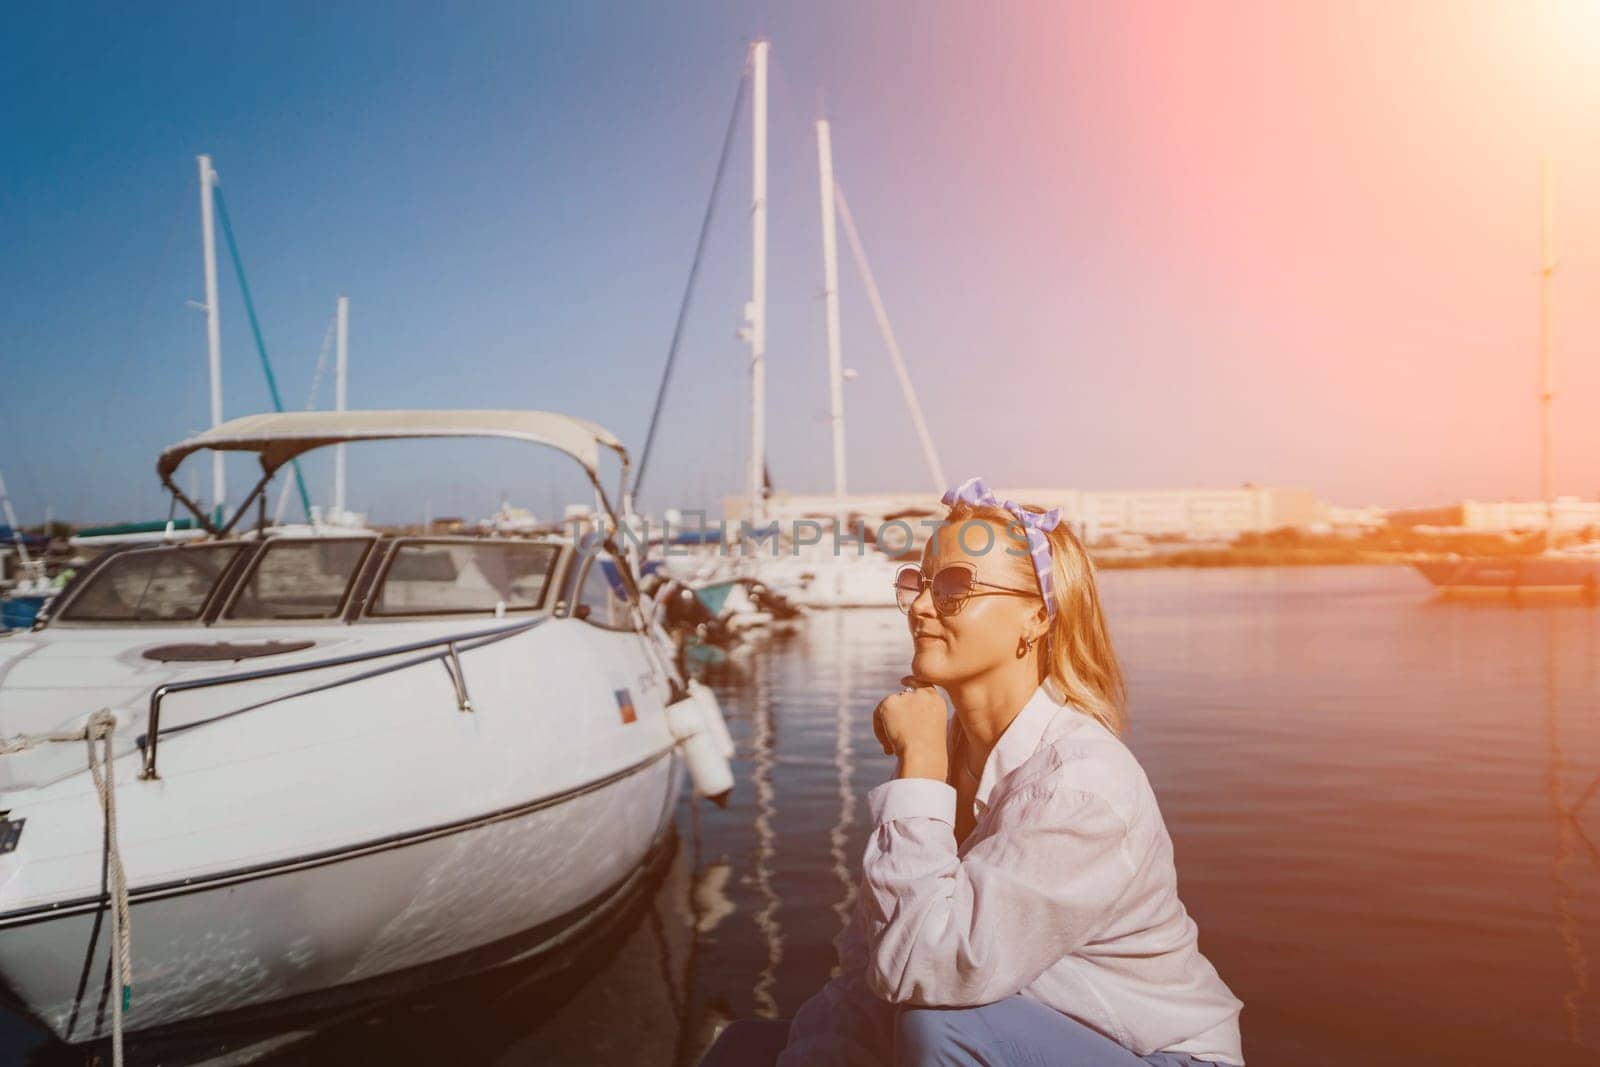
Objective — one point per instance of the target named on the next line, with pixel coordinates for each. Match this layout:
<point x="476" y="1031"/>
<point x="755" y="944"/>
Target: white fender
<point x="690" y="723"/>
<point x="711" y="710"/>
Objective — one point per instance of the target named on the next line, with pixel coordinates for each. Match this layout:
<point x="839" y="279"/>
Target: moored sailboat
<point x="1558" y="569"/>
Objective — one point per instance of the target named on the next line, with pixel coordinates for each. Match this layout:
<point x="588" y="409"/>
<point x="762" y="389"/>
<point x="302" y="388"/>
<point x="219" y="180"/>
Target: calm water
<point x="1384" y="808"/>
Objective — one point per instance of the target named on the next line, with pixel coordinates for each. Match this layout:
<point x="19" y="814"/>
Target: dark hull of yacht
<point x="1514" y="575"/>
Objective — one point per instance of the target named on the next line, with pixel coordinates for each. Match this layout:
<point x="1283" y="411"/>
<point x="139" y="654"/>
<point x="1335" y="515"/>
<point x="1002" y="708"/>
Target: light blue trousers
<point x="1015" y="1032"/>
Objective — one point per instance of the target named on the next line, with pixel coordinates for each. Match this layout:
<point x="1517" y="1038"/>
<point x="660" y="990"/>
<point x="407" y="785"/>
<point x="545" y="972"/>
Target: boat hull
<point x="495" y="891"/>
<point x="1516" y="575"/>
<point x="305" y="841"/>
<point x="824" y="581"/>
<point x="18" y="612"/>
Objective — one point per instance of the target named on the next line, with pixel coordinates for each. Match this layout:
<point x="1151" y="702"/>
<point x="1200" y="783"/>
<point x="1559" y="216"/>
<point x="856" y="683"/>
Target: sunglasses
<point x="952" y="587"/>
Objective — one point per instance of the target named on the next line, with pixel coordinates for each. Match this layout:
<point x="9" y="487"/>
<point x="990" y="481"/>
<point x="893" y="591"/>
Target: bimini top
<point x="280" y="437"/>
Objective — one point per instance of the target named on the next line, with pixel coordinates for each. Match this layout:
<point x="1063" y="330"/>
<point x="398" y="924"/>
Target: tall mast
<point x="756" y="312"/>
<point x="342" y="332"/>
<point x="208" y="178"/>
<point x="830" y="281"/>
<point x="1547" y="268"/>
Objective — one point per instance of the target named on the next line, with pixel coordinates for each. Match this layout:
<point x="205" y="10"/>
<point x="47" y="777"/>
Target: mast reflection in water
<point x="1384" y="809"/>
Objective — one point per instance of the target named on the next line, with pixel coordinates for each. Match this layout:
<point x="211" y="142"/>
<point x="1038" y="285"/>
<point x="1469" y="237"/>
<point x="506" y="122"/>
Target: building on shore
<point x="1569" y="513"/>
<point x="1095" y="514"/>
<point x="1354" y="521"/>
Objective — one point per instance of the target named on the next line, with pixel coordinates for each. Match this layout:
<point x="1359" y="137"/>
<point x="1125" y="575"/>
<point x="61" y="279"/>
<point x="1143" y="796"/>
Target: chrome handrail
<point x="448" y="645"/>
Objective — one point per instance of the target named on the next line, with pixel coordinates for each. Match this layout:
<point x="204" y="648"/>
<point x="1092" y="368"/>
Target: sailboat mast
<point x="830" y="276"/>
<point x="342" y="336"/>
<point x="208" y="178"/>
<point x="757" y="310"/>
<point x="1547" y="269"/>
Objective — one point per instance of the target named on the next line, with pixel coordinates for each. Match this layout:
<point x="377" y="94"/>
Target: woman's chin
<point x="927" y="663"/>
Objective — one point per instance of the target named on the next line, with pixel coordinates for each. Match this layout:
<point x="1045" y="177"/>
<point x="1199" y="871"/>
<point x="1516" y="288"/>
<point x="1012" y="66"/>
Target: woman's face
<point x="983" y="633"/>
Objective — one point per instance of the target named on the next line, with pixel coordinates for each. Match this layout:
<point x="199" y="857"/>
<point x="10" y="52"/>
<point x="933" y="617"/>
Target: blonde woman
<point x="1018" y="901"/>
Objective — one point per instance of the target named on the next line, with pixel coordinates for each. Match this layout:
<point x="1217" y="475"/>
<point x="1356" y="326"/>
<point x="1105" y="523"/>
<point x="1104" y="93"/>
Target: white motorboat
<point x="819" y="578"/>
<point x="343" y="765"/>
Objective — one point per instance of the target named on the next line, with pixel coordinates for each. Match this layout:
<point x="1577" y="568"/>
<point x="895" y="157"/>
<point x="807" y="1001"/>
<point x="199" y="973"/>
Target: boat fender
<point x="712" y="711"/>
<point x="708" y="767"/>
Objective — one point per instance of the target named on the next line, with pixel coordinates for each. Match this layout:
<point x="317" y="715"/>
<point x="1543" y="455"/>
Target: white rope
<point x="99" y="727"/>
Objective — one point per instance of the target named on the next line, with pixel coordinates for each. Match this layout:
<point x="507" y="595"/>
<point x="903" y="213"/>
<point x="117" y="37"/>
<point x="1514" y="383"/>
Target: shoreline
<point x="1262" y="556"/>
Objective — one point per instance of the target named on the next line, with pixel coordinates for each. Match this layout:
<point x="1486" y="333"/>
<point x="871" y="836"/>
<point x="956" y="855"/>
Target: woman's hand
<point x="912" y="726"/>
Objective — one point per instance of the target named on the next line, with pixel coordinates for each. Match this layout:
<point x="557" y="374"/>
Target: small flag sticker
<point x="625" y="706"/>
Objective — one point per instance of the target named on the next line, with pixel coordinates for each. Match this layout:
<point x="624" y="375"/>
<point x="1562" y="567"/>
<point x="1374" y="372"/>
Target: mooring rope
<point x="688" y="289"/>
<point x="99" y="727"/>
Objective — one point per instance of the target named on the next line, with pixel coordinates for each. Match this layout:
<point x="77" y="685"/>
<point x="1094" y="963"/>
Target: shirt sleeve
<point x="950" y="931"/>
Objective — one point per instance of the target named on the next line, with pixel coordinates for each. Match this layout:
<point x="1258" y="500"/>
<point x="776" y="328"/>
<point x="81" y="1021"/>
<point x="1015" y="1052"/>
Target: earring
<point x="1023" y="647"/>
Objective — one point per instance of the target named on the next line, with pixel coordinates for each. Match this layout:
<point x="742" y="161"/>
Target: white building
<point x="1371" y="517"/>
<point x="1571" y="513"/>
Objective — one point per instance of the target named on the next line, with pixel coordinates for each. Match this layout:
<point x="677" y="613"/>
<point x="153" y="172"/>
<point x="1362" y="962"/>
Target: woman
<point x="1019" y="902"/>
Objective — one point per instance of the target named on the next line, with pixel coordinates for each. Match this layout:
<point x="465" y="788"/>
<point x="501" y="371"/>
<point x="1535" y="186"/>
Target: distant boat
<point x="1561" y="570"/>
<point x="25" y="595"/>
<point x="1566" y="570"/>
<point x="22" y="602"/>
<point x="814" y="577"/>
<point x="118" y="535"/>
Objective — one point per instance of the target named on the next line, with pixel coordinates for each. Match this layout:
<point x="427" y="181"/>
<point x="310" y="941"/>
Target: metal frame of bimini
<point x="278" y="438"/>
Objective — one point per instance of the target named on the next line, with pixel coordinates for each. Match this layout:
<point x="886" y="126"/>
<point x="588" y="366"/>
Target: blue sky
<point x="509" y="195"/>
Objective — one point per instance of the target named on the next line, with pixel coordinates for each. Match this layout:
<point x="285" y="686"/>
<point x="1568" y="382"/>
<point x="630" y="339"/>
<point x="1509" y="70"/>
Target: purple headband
<point x="1034" y="525"/>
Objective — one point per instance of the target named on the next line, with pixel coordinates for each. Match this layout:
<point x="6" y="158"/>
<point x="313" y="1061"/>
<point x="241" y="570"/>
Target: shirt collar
<point x="1020" y="740"/>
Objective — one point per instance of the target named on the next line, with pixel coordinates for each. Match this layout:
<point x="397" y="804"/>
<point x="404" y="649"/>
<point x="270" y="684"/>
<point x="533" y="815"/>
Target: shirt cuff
<point x="912" y="798"/>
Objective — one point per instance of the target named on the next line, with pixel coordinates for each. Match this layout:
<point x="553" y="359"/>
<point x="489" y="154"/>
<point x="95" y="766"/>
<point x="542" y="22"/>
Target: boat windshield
<point x="449" y="577"/>
<point x="152" y="585"/>
<point x="300" y="579"/>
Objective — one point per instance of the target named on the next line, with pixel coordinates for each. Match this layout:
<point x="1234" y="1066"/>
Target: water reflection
<point x="1371" y="827"/>
<point x="1377" y="803"/>
<point x="844" y="759"/>
<point x="764" y="744"/>
<point x="1567" y="832"/>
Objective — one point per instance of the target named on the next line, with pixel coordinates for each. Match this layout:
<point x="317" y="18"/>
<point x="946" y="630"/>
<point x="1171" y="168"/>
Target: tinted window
<point x="433" y="577"/>
<point x="299" y="580"/>
<point x="152" y="585"/>
<point x="602" y="593"/>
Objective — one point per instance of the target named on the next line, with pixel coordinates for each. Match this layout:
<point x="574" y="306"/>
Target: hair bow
<point x="1034" y="526"/>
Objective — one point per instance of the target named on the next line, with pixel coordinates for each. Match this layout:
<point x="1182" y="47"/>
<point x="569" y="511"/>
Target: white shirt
<point x="1065" y="892"/>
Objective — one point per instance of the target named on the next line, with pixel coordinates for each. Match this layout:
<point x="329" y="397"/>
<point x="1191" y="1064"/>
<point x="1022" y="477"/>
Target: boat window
<point x="601" y="598"/>
<point x="434" y="577"/>
<point x="295" y="579"/>
<point x="152" y="585"/>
